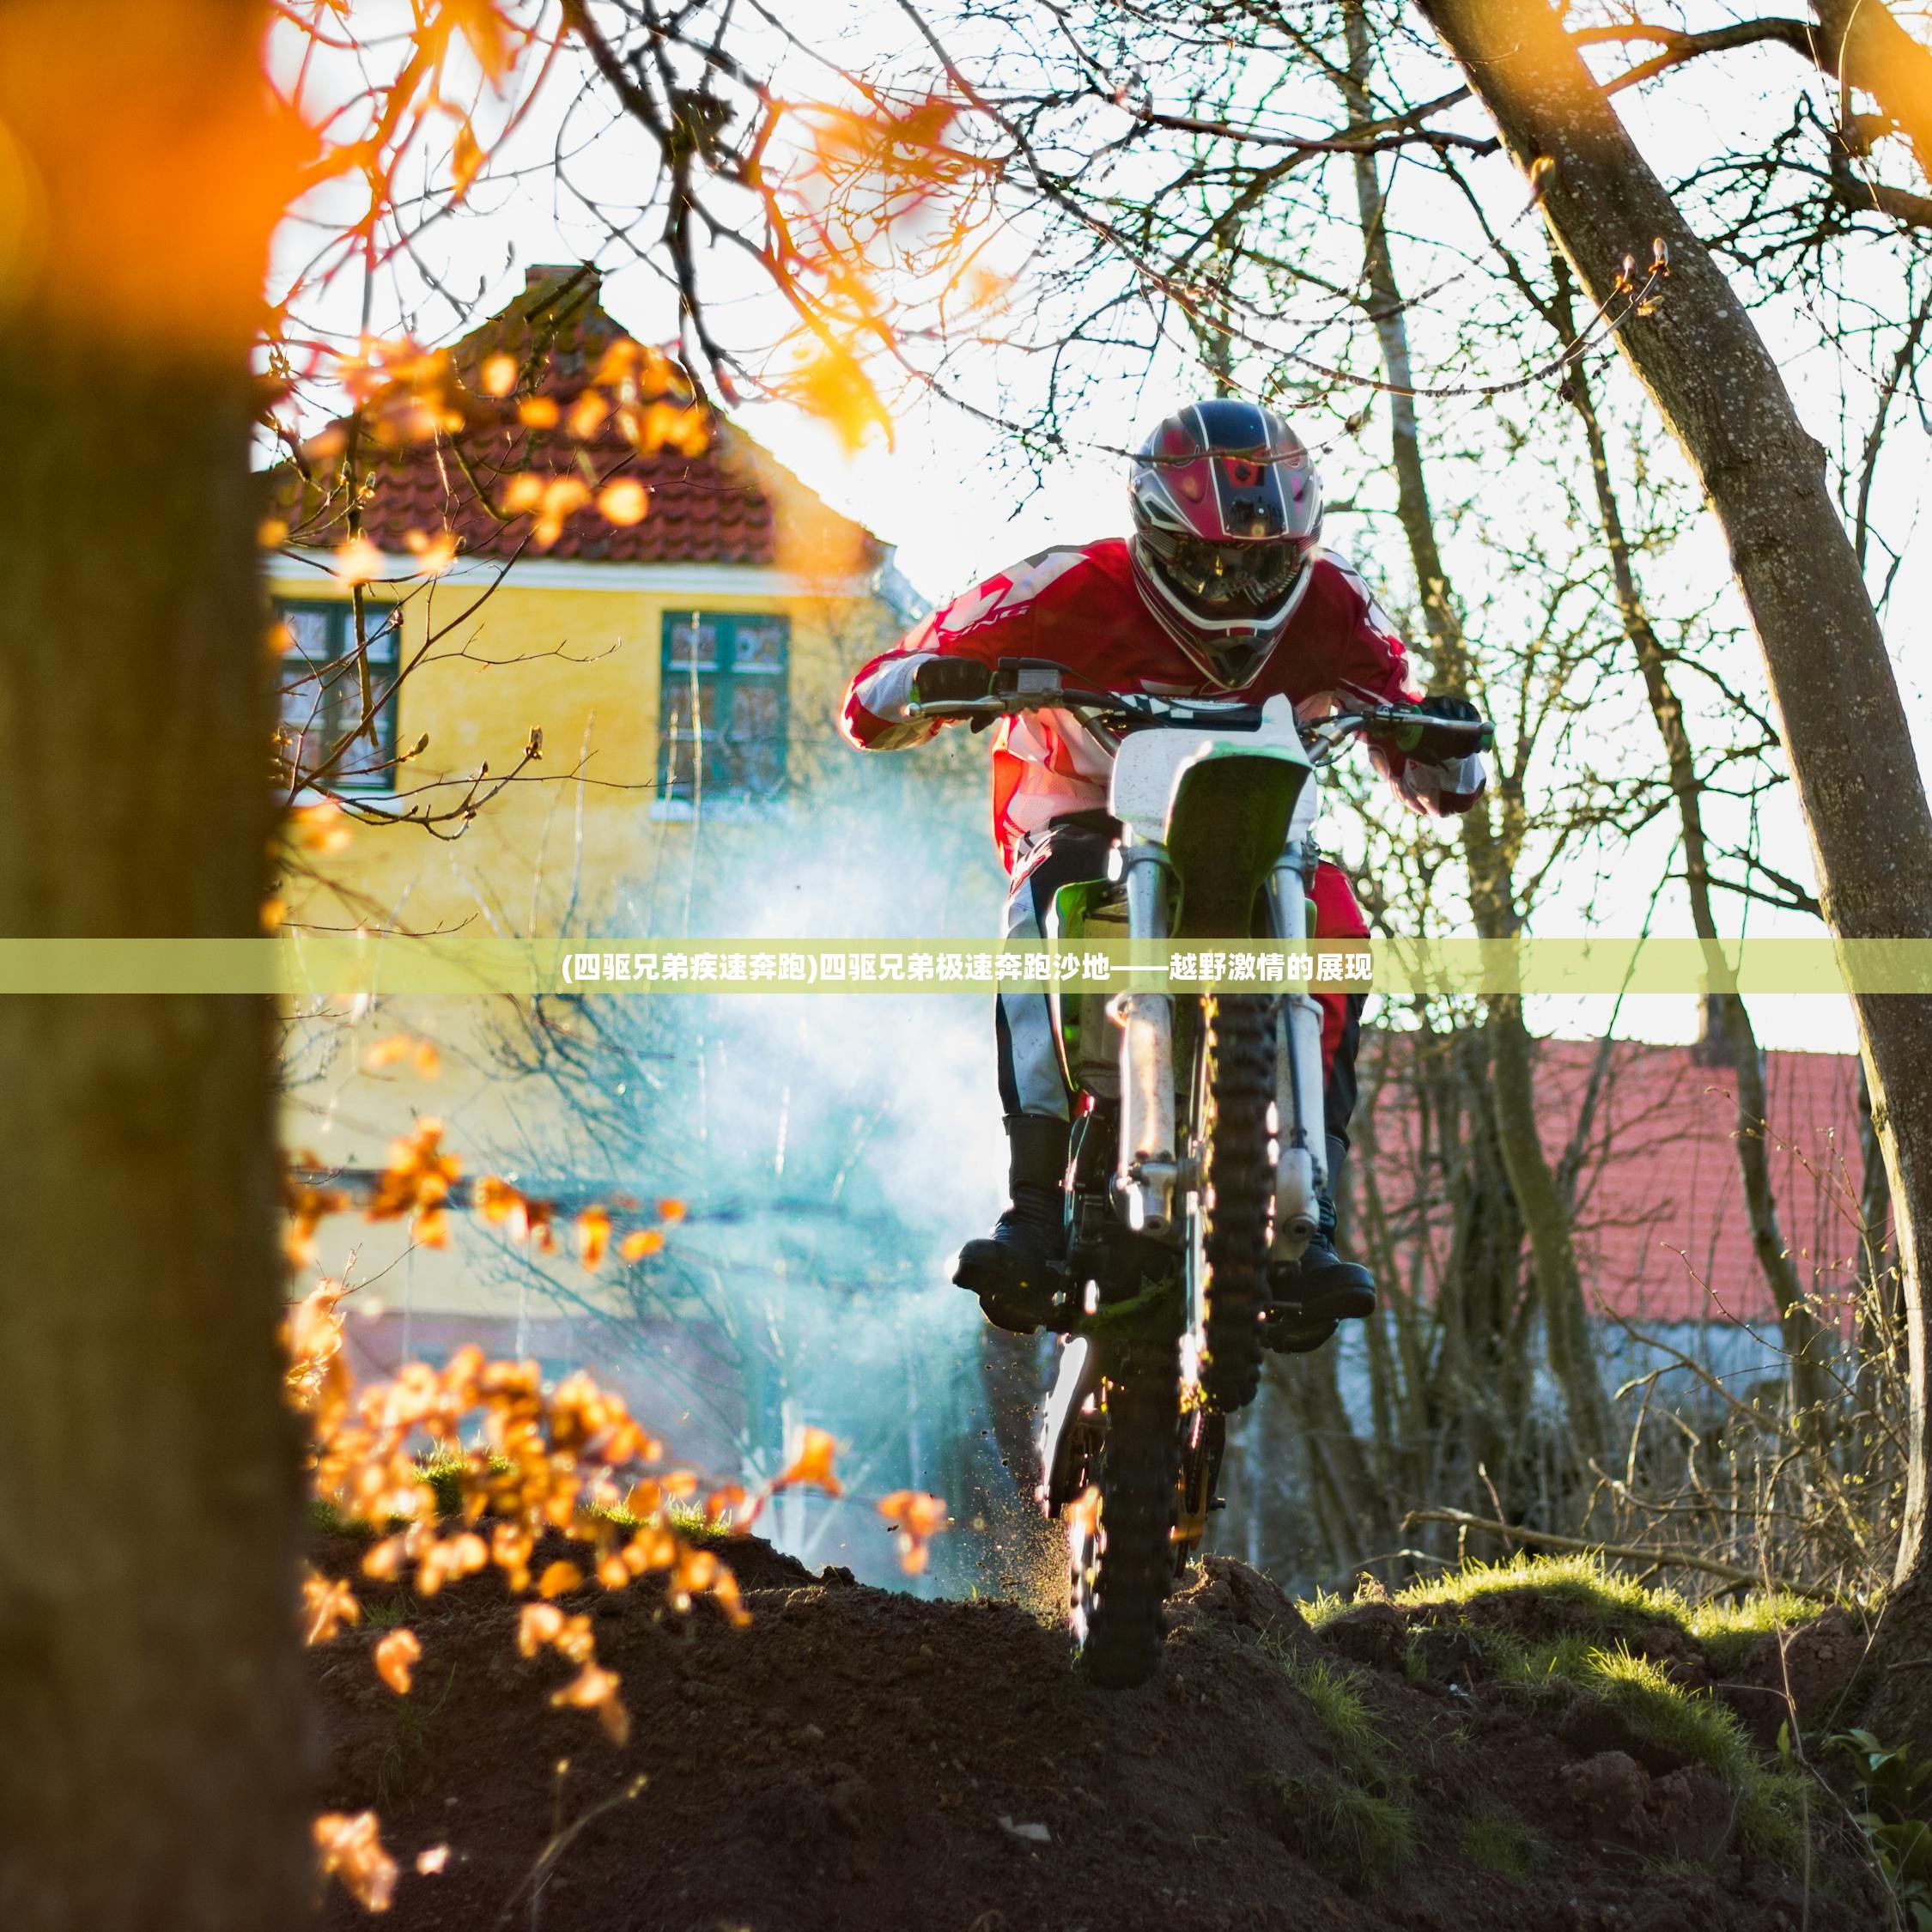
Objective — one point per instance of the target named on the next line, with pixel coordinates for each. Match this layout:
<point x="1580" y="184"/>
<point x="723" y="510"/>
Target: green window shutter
<point x="321" y="694"/>
<point x="724" y="706"/>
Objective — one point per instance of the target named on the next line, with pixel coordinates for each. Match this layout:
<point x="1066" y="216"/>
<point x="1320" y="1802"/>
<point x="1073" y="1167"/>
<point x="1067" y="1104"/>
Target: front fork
<point x="1146" y="1182"/>
<point x="1301" y="1173"/>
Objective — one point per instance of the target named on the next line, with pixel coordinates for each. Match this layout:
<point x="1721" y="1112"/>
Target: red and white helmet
<point x="1227" y="522"/>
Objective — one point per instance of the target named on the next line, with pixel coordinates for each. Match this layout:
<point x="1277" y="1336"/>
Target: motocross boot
<point x="1014" y="1270"/>
<point x="1321" y="1287"/>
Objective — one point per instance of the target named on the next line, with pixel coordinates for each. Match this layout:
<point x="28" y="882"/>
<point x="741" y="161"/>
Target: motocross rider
<point x="1223" y="589"/>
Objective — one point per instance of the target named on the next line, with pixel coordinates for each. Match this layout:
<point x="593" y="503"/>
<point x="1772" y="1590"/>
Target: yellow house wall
<point x="578" y="830"/>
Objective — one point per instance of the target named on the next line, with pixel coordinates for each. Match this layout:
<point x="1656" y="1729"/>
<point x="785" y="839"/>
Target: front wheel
<point x="1121" y="1527"/>
<point x="1237" y="1191"/>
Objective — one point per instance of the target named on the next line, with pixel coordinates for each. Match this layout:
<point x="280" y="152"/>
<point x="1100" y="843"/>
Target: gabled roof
<point x="715" y="495"/>
<point x="1662" y="1235"/>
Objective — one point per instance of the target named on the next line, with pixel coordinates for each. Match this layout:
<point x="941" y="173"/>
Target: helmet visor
<point x="1227" y="577"/>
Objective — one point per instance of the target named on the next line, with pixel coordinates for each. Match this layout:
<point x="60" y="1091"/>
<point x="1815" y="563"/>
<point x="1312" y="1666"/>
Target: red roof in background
<point x="1662" y="1231"/>
<point x="725" y="504"/>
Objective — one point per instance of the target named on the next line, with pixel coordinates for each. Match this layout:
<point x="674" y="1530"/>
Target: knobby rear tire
<point x="1237" y="1191"/>
<point x="1120" y="1587"/>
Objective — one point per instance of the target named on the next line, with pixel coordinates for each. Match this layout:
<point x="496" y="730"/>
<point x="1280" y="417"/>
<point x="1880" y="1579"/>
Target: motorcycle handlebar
<point x="1031" y="684"/>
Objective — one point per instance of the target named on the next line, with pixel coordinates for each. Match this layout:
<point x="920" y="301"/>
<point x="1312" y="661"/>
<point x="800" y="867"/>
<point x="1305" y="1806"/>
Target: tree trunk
<point x="1806" y="1346"/>
<point x="1490" y="857"/>
<point x="1843" y="728"/>
<point x="154" y="1771"/>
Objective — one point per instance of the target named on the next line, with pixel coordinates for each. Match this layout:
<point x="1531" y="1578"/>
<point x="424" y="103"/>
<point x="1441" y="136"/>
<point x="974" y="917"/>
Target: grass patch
<point x="1356" y="1835"/>
<point x="1618" y="1606"/>
<point x="1729" y="1632"/>
<point x="1335" y="1692"/>
<point x="1499" y="1842"/>
<point x="1323" y="1608"/>
<point x="1615" y="1602"/>
<point x="1694" y="1727"/>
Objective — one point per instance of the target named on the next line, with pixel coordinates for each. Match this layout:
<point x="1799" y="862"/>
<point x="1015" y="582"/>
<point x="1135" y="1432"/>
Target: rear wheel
<point x="1236" y="1190"/>
<point x="1121" y="1529"/>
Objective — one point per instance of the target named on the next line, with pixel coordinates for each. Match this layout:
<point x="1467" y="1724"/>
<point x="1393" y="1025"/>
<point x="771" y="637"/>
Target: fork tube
<point x="1301" y="1170"/>
<point x="1145" y="1181"/>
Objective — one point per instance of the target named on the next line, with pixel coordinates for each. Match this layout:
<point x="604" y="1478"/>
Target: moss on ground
<point x="1353" y="1821"/>
<point x="1499" y="1842"/>
<point x="1691" y="1726"/>
<point x="1598" y="1657"/>
<point x="1356" y="1835"/>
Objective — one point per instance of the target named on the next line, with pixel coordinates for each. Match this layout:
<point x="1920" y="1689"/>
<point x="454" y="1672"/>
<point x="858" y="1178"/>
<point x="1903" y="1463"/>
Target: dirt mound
<point x="859" y="1759"/>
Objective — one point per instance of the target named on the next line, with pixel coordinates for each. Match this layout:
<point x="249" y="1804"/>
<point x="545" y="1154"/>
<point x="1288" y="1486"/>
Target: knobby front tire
<point x="1237" y="1192"/>
<point x="1122" y="1566"/>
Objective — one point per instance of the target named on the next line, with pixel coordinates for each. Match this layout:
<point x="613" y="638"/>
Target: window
<point x="723" y="701"/>
<point x="322" y="693"/>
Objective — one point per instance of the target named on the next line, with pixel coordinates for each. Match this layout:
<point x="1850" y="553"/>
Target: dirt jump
<point x="1547" y="1749"/>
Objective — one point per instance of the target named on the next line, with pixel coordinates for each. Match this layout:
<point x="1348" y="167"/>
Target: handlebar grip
<point x="1419" y="734"/>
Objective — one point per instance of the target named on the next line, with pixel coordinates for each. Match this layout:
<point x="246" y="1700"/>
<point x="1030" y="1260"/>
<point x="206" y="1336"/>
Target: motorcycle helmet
<point x="1227" y="522"/>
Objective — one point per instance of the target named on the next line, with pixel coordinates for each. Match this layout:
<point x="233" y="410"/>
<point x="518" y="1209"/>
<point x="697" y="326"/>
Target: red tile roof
<point x="1662" y="1231"/>
<point x="731" y="502"/>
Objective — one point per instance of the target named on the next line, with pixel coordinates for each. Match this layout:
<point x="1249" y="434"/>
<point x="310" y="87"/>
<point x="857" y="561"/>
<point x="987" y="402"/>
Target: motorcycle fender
<point x="1226" y="829"/>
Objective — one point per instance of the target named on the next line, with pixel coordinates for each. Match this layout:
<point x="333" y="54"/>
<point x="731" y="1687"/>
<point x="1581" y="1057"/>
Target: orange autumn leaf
<point x="538" y="1625"/>
<point x="499" y="375"/>
<point x="595" y="1688"/>
<point x="387" y="1053"/>
<point x="319" y="827"/>
<point x="396" y="1657"/>
<point x="357" y="561"/>
<point x="328" y="1604"/>
<point x="417" y="1181"/>
<point x="593" y="1237"/>
<point x="482" y="26"/>
<point x="349" y="1849"/>
<point x="449" y="1560"/>
<point x="563" y="496"/>
<point x="724" y="1505"/>
<point x="558" y="1577"/>
<point x="671" y="1211"/>
<point x="434" y="555"/>
<point x="271" y="533"/>
<point x="812" y="1464"/>
<point x="918" y="1518"/>
<point x="385" y="1560"/>
<point x="623" y="502"/>
<point x="466" y="158"/>
<point x="539" y="412"/>
<point x="831" y="383"/>
<point x="640" y="1242"/>
<point x="586" y="415"/>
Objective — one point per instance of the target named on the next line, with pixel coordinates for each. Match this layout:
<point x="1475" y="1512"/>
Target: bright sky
<point x="943" y="494"/>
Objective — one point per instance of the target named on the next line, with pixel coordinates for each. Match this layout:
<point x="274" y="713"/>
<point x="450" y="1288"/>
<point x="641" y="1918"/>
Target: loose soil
<point x="859" y="1759"/>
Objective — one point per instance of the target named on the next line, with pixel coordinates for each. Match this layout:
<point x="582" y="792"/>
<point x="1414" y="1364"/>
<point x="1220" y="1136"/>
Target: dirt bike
<point x="1198" y="1151"/>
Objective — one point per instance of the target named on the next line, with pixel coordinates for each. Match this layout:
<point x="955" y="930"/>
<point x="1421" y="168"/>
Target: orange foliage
<point x="919" y="1518"/>
<point x="397" y="1656"/>
<point x="593" y="1237"/>
<point x="350" y="1849"/>
<point x="812" y="1464"/>
<point x="319" y="827"/>
<point x="396" y="1047"/>
<point x="417" y="1182"/>
<point x="328" y="1604"/>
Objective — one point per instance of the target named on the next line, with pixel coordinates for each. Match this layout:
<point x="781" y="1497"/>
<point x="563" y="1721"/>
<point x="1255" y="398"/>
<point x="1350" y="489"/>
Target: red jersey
<point x="1079" y="606"/>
